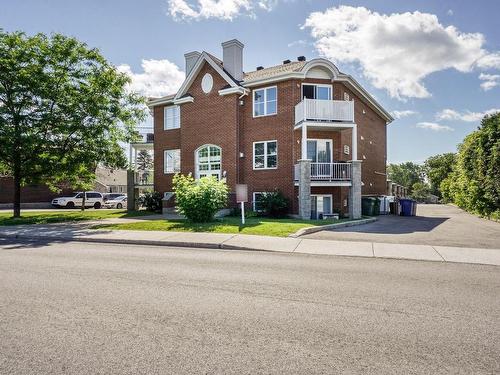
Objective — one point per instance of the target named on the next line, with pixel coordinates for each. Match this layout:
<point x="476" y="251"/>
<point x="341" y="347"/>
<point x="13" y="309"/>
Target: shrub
<point x="199" y="200"/>
<point x="273" y="204"/>
<point x="151" y="200"/>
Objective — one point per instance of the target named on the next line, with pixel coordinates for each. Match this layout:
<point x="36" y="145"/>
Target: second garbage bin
<point x="368" y="206"/>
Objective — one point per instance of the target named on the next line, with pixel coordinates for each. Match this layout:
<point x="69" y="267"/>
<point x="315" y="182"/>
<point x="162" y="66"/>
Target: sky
<point x="435" y="65"/>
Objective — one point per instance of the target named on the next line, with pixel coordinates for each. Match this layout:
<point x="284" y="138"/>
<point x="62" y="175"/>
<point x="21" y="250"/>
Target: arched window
<point x="208" y="161"/>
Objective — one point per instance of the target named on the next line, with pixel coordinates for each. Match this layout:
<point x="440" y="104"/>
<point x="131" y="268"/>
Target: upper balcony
<point x="316" y="110"/>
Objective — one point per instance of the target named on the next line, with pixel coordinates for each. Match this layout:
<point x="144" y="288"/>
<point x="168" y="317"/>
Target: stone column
<point x="305" y="189"/>
<point x="355" y="191"/>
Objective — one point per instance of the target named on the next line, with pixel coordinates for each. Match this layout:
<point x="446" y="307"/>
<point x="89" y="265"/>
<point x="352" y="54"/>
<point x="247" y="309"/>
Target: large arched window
<point x="208" y="161"/>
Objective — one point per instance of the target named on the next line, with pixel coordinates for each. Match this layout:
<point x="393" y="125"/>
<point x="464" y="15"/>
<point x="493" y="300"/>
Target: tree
<point x="474" y="183"/>
<point x="405" y="174"/>
<point x="420" y="191"/>
<point x="144" y="160"/>
<point x="63" y="110"/>
<point x="437" y="168"/>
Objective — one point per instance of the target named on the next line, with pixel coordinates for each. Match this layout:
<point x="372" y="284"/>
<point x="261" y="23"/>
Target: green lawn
<point x="58" y="216"/>
<point x="254" y="225"/>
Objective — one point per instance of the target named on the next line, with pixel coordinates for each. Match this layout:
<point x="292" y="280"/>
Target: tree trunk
<point x="17" y="194"/>
<point x="83" y="200"/>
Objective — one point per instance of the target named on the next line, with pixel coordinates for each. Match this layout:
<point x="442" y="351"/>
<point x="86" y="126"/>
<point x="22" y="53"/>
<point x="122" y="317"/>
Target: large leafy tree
<point x="63" y="110"/>
<point x="406" y="174"/>
<point x="437" y="168"/>
<point x="474" y="183"/>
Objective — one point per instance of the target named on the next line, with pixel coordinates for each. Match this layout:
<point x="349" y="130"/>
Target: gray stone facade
<point x="355" y="191"/>
<point x="305" y="189"/>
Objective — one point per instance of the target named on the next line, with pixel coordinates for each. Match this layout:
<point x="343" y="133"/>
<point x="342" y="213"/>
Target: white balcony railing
<point x="328" y="171"/>
<point x="324" y="110"/>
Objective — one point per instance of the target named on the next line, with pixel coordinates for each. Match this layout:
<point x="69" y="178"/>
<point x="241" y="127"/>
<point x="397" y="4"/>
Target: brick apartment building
<point x="301" y="127"/>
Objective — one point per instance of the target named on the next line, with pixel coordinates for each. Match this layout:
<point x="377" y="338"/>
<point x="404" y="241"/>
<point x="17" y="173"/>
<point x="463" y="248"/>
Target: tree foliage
<point x="406" y="174"/>
<point x="199" y="200"/>
<point x="420" y="191"/>
<point x="474" y="183"/>
<point x="437" y="168"/>
<point x="63" y="110"/>
<point x="144" y="160"/>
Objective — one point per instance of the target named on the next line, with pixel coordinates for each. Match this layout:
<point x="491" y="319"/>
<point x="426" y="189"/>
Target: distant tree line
<point x="469" y="178"/>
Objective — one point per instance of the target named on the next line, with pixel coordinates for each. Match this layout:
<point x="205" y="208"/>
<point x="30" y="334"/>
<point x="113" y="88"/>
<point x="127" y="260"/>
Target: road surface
<point x="77" y="308"/>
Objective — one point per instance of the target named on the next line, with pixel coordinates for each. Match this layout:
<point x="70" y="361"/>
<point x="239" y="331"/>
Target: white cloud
<point x="450" y="12"/>
<point x="489" y="61"/>
<point x="397" y="51"/>
<point x="401" y="114"/>
<point x="490" y="81"/>
<point x="434" y="127"/>
<point x="467" y="116"/>
<point x="159" y="78"/>
<point x="221" y="9"/>
<point x="300" y="42"/>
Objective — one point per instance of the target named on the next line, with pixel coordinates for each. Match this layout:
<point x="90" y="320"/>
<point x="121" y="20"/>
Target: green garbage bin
<point x="376" y="207"/>
<point x="368" y="206"/>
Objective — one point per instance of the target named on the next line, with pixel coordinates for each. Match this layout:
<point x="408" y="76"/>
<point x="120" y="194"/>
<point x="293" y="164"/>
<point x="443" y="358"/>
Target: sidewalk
<point x="81" y="232"/>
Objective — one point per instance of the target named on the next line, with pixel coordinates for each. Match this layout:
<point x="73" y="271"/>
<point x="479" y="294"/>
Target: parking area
<point x="436" y="224"/>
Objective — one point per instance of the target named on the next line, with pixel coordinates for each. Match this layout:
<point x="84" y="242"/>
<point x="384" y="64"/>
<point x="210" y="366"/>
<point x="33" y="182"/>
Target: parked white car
<point x="119" y="202"/>
<point x="92" y="199"/>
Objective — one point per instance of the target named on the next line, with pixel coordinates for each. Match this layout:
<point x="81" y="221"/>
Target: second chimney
<point x="191" y="58"/>
<point x="232" y="58"/>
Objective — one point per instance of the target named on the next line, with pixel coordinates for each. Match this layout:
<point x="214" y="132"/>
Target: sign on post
<point x="242" y="198"/>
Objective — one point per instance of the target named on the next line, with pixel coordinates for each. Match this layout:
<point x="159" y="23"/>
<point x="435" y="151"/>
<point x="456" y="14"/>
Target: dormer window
<point x="172" y="117"/>
<point x="265" y="101"/>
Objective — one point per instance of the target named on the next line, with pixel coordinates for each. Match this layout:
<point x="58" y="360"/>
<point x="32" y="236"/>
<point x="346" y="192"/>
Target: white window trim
<point x="265" y="101"/>
<point x="254" y="199"/>
<point x="265" y="155"/>
<point x="165" y="117"/>
<point x="196" y="160"/>
<point x="318" y="85"/>
<point x="323" y="139"/>
<point x="172" y="170"/>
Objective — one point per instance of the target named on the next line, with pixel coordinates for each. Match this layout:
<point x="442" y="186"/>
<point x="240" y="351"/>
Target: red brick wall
<point x="220" y="120"/>
<point x="29" y="194"/>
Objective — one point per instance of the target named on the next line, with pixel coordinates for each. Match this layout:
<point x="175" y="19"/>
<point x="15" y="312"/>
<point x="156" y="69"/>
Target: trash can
<point x="406" y="207"/>
<point x="368" y="206"/>
<point x="376" y="207"/>
<point x="414" y="208"/>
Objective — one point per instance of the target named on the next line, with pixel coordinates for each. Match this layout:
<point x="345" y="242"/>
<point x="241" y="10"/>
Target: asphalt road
<point x="434" y="225"/>
<point x="78" y="308"/>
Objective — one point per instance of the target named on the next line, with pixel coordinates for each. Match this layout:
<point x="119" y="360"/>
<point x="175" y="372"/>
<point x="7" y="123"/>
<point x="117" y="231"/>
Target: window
<point x="172" y="161"/>
<point x="265" y="102"/>
<point x="172" y="117"/>
<point x="255" y="202"/>
<point x="321" y="92"/>
<point x="94" y="195"/>
<point x="208" y="161"/>
<point x="265" y="155"/>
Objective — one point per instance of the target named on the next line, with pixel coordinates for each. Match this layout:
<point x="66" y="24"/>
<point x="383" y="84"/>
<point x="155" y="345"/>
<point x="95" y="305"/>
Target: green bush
<point x="151" y="201"/>
<point x="199" y="200"/>
<point x="273" y="204"/>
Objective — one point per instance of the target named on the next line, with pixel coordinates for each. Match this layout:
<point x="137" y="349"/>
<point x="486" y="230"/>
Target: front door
<point x="320" y="205"/>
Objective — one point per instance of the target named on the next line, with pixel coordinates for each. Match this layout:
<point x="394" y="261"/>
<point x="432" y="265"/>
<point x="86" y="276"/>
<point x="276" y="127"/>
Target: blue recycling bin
<point x="406" y="207"/>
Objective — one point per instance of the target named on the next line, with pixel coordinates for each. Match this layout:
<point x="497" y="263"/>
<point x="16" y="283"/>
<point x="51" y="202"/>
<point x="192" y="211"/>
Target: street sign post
<point x="241" y="198"/>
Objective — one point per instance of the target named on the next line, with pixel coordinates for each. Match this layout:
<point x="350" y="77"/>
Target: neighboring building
<point x="301" y="127"/>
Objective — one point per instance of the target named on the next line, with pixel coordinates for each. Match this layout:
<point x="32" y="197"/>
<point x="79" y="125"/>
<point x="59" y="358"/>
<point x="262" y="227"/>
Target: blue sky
<point x="436" y="62"/>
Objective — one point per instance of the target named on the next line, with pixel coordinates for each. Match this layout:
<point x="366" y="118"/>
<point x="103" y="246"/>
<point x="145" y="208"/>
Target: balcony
<point x="340" y="173"/>
<point x="316" y="110"/>
<point x="144" y="178"/>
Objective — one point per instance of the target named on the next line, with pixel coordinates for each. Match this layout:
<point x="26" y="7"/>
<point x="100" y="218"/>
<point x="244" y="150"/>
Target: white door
<point x="320" y="205"/>
<point x="319" y="151"/>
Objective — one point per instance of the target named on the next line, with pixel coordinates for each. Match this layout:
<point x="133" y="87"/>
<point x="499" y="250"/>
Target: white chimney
<point x="191" y="58"/>
<point x="232" y="58"/>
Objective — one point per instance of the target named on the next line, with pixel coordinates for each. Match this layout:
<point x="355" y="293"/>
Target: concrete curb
<point x="309" y="230"/>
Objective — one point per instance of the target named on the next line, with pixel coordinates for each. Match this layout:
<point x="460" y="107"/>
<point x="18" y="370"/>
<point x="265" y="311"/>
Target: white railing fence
<point x="324" y="110"/>
<point x="327" y="172"/>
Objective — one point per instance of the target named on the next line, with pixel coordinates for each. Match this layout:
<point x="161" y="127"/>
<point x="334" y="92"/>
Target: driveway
<point x="437" y="224"/>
